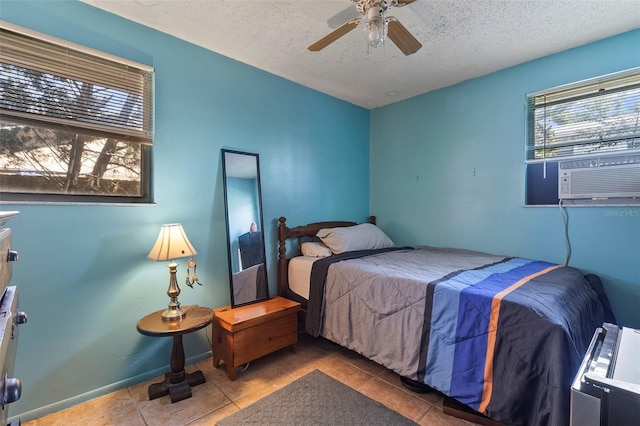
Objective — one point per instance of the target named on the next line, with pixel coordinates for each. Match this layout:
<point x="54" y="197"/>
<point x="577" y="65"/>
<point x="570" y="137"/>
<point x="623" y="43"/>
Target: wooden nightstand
<point x="249" y="332"/>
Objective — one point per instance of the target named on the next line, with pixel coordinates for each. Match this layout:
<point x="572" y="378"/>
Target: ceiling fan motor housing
<point x="364" y="6"/>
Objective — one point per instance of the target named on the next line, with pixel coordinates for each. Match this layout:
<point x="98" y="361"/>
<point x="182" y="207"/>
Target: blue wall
<point x="447" y="169"/>
<point x="83" y="275"/>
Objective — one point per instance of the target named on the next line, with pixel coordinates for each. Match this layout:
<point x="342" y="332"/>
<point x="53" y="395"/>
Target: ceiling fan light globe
<point x="375" y="27"/>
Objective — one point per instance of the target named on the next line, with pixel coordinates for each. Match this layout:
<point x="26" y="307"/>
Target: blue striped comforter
<point x="503" y="335"/>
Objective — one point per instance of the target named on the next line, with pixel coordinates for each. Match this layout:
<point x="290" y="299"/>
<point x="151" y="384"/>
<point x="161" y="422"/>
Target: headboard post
<point x="282" y="257"/>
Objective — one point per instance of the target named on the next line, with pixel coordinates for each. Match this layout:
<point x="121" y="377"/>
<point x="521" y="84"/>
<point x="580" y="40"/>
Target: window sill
<point x="76" y="203"/>
<point x="592" y="203"/>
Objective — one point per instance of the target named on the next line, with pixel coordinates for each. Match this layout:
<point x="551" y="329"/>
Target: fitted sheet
<point x="300" y="275"/>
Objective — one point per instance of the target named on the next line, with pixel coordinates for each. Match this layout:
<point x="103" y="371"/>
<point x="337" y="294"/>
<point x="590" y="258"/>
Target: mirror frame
<point x="227" y="213"/>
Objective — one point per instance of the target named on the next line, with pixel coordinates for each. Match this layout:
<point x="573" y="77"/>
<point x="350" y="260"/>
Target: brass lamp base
<point x="173" y="311"/>
<point x="173" y="314"/>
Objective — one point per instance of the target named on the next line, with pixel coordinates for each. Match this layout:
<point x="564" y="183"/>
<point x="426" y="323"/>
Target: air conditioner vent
<point x="611" y="176"/>
<point x="605" y="161"/>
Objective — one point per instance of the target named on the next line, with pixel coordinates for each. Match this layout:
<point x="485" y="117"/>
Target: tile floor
<point x="220" y="397"/>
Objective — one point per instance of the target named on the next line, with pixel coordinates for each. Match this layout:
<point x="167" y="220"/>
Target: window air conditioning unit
<point x="601" y="177"/>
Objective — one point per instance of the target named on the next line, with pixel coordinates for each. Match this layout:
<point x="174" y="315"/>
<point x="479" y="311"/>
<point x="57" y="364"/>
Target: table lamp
<point x="172" y="243"/>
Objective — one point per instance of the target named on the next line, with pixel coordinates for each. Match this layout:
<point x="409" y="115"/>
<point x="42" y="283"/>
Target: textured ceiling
<point x="461" y="39"/>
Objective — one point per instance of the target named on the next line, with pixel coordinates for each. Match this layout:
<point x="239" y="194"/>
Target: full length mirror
<point x="245" y="238"/>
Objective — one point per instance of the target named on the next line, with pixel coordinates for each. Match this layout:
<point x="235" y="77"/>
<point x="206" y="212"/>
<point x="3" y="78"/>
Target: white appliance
<point x="601" y="177"/>
<point x="606" y="390"/>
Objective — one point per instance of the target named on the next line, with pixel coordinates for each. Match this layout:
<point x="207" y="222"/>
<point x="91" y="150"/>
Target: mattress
<point x="300" y="275"/>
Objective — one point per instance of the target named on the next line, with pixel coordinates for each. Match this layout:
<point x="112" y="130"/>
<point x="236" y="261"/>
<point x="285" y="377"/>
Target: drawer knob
<point x="21" y="317"/>
<point x="12" y="389"/>
<point x="12" y="256"/>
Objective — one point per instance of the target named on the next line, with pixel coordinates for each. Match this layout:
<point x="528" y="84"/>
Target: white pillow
<point x="314" y="249"/>
<point x="365" y="236"/>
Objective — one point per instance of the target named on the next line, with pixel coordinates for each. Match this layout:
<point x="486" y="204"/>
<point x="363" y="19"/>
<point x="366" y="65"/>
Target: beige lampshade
<point x="172" y="243"/>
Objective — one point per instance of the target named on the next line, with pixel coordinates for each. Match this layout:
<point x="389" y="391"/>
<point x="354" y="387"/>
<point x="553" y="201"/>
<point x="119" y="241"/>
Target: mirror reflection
<point x="245" y="240"/>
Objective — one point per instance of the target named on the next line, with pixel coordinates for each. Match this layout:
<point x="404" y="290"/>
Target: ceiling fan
<point x="377" y="26"/>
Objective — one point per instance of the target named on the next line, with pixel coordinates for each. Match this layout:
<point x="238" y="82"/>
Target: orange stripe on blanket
<point x="487" y="388"/>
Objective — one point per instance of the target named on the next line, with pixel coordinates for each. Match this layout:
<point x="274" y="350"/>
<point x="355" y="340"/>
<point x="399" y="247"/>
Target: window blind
<point x="55" y="84"/>
<point x="591" y="117"/>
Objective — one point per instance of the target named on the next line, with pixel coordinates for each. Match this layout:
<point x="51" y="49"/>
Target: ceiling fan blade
<point x="334" y="35"/>
<point x="402" y="38"/>
<point x="346" y="15"/>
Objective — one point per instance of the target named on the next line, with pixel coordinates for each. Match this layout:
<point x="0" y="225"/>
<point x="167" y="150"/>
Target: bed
<point x="502" y="335"/>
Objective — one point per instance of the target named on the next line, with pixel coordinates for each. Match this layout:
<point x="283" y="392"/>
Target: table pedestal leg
<point x="176" y="391"/>
<point x="177" y="360"/>
<point x="176" y="384"/>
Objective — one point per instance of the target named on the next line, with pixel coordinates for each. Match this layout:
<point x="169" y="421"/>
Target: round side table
<point x="176" y="384"/>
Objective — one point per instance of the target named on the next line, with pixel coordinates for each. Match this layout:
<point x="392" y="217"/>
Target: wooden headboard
<point x="302" y="234"/>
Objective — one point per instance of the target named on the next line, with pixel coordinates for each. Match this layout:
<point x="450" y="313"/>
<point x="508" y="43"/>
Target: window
<point x="595" y="117"/>
<point x="75" y="124"/>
